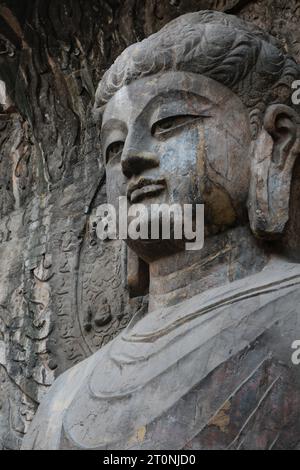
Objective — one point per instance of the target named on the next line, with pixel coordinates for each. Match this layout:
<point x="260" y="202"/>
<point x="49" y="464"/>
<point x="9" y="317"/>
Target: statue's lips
<point x="145" y="188"/>
<point x="150" y="190"/>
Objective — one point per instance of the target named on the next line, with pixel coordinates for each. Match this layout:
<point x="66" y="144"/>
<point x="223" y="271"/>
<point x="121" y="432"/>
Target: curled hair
<point x="223" y="47"/>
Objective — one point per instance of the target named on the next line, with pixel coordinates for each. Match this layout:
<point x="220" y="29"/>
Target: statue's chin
<point x="151" y="250"/>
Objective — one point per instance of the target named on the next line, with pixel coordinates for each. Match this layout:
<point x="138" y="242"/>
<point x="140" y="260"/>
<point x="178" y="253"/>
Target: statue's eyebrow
<point x="112" y="124"/>
<point x="179" y="102"/>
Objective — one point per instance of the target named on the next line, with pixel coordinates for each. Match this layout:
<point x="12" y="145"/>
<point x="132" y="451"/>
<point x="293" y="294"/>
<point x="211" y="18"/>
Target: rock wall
<point x="63" y="294"/>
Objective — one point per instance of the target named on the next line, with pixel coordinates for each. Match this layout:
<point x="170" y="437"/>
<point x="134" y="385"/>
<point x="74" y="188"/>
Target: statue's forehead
<point x="131" y="100"/>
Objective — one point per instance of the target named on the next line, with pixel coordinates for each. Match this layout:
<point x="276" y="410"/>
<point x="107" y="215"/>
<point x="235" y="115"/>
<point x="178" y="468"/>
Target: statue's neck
<point x="225" y="258"/>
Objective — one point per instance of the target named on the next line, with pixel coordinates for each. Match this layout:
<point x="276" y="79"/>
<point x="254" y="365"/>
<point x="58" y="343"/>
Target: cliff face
<point x="56" y="278"/>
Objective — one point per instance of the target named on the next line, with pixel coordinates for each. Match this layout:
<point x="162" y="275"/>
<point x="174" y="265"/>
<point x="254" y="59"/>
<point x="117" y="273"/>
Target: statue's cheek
<point x="115" y="184"/>
<point x="178" y="154"/>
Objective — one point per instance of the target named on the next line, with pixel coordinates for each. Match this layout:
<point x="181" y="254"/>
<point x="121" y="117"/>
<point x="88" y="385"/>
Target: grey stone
<point x="199" y="112"/>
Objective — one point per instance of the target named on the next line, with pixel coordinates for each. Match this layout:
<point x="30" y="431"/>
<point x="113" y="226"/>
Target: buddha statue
<point x="198" y="113"/>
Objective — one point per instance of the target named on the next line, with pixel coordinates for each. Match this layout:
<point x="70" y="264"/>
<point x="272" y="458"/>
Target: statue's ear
<point x="137" y="275"/>
<point x="275" y="152"/>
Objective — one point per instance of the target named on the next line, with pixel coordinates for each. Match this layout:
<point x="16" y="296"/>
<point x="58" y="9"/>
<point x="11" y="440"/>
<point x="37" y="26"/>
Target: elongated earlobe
<point x="275" y="153"/>
<point x="137" y="275"/>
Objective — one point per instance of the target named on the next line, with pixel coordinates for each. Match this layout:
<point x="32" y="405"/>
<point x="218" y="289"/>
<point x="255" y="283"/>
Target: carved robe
<point x="214" y="371"/>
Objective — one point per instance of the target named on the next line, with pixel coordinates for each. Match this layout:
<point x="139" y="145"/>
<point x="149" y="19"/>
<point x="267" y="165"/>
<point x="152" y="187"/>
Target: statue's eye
<point x="114" y="150"/>
<point x="171" y="123"/>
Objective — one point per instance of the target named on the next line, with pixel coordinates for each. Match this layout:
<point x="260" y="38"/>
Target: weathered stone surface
<point x="63" y="294"/>
<point x="208" y="373"/>
<point x="200" y="112"/>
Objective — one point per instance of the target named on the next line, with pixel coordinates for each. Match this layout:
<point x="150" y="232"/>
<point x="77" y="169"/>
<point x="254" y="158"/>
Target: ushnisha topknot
<point x="223" y="47"/>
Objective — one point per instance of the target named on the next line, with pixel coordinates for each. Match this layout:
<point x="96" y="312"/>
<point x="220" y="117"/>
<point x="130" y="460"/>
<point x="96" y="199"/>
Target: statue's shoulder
<point x="45" y="431"/>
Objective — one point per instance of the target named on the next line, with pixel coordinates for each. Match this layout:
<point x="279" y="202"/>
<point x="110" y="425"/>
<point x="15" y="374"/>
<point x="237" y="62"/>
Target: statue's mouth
<point x="145" y="187"/>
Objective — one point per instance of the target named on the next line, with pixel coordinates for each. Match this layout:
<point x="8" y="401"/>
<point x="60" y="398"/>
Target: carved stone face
<point x="180" y="138"/>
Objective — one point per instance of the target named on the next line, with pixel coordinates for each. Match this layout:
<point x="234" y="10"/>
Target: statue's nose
<point x="136" y="161"/>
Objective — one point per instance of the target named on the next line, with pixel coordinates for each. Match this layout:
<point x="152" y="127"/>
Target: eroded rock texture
<point x="57" y="281"/>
